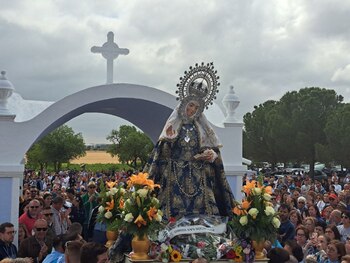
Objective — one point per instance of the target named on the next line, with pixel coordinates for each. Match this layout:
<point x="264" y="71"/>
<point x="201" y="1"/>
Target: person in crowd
<point x="47" y="199"/>
<point x="48" y="216"/>
<point x="7" y="234"/>
<point x="333" y="200"/>
<point x="37" y="246"/>
<point x="314" y="212"/>
<point x="344" y="228"/>
<point x="286" y="230"/>
<point x="33" y="213"/>
<point x="332" y="232"/>
<point x="72" y="251"/>
<point x="319" y="188"/>
<point x="302" y="238"/>
<point x="89" y="202"/>
<point x="302" y="206"/>
<point x="58" y="251"/>
<point x="93" y="253"/>
<point x="22" y="232"/>
<point x="60" y="218"/>
<point x="326" y="213"/>
<point x="33" y="192"/>
<point x="295" y="251"/>
<point x="310" y="224"/>
<point x="77" y="213"/>
<point x="24" y="201"/>
<point x="320" y="228"/>
<point x="295" y="217"/>
<point x="322" y="243"/>
<point x="278" y="255"/>
<point x="335" y="217"/>
<point x="335" y="251"/>
<point x="337" y="187"/>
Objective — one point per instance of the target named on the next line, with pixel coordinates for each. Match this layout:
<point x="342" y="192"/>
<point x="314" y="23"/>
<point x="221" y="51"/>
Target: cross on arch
<point x="110" y="51"/>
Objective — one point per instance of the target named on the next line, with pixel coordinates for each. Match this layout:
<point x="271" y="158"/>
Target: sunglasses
<point x="48" y="214"/>
<point x="41" y="228"/>
<point x="344" y="216"/>
<point x="34" y="207"/>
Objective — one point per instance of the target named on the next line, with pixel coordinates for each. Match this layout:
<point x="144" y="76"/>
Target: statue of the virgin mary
<point x="186" y="160"/>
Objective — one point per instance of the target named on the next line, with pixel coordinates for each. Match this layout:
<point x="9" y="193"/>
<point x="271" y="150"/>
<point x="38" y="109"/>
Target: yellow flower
<point x="269" y="210"/>
<point x="253" y="212"/>
<point x="267" y="197"/>
<point x="175" y="256"/>
<point x="243" y="220"/>
<point x="152" y="213"/>
<point x="140" y="221"/>
<point x="238" y="250"/>
<point x="238" y="258"/>
<point x="276" y="222"/>
<point x="110" y="184"/>
<point x="256" y="191"/>
<point x="110" y="205"/>
<point x="129" y="217"/>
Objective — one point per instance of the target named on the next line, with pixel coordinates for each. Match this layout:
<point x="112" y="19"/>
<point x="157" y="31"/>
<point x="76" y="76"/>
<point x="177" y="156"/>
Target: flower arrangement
<point x="112" y="203"/>
<point x="255" y="217"/>
<point x="140" y="213"/>
<point x="168" y="253"/>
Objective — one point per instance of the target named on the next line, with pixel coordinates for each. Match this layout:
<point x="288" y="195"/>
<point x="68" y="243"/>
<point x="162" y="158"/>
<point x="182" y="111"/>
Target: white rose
<point x="267" y="197"/>
<point x="101" y="209"/>
<point x="253" y="212"/>
<point x="122" y="191"/>
<point x="243" y="220"/>
<point x="129" y="217"/>
<point x="276" y="222"/>
<point x="256" y="191"/>
<point x="108" y="215"/>
<point x="269" y="210"/>
<point x="113" y="191"/>
<point x="155" y="201"/>
<point x="142" y="192"/>
<point x="108" y="193"/>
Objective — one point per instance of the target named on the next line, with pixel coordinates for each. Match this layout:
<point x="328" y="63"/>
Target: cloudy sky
<point x="263" y="48"/>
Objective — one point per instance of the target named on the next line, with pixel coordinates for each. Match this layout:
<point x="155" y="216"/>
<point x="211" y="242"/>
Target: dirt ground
<point x="95" y="157"/>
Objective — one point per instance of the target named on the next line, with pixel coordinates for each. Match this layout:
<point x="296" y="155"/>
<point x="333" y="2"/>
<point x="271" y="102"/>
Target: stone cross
<point x="110" y="51"/>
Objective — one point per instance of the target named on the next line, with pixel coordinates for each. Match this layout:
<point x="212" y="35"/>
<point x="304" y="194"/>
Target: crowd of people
<point x="315" y="218"/>
<point x="57" y="221"/>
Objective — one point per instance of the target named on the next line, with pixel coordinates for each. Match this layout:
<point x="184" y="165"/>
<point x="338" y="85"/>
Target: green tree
<point x="130" y="145"/>
<point x="59" y="146"/>
<point x="337" y="132"/>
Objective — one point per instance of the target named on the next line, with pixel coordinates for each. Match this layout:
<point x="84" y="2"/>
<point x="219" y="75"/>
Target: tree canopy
<point x="130" y="145"/>
<point x="293" y="128"/>
<point x="59" y="146"/>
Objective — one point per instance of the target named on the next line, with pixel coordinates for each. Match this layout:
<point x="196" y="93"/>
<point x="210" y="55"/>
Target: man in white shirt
<point x="344" y="229"/>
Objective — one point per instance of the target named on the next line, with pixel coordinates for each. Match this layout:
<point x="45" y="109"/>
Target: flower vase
<point x="111" y="237"/>
<point x="140" y="247"/>
<point x="259" y="249"/>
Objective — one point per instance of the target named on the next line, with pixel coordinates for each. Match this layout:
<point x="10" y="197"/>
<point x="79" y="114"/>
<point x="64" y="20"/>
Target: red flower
<point x="231" y="254"/>
<point x="172" y="220"/>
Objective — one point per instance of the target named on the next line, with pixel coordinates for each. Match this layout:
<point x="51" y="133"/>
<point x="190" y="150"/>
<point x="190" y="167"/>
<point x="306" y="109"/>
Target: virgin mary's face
<point x="191" y="108"/>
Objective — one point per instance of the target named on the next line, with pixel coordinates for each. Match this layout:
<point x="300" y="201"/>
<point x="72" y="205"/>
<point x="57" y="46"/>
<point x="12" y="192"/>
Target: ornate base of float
<point x="140" y="248"/>
<point x="129" y="260"/>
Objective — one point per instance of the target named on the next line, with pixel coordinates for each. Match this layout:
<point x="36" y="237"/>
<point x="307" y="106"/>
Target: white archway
<point x="146" y="107"/>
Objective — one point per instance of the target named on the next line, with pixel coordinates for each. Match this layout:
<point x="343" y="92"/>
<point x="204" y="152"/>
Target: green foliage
<point x="337" y="132"/>
<point x="130" y="145"/>
<point x="98" y="167"/>
<point x="292" y="129"/>
<point x="59" y="146"/>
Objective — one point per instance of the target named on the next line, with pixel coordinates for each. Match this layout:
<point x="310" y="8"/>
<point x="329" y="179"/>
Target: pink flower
<point x="201" y="244"/>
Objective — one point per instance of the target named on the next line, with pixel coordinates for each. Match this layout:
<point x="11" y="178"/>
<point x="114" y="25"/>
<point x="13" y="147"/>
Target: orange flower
<point x="268" y="189"/>
<point x="238" y="210"/>
<point x="246" y="204"/>
<point x="249" y="186"/>
<point x="152" y="212"/>
<point x="141" y="179"/>
<point x="121" y="203"/>
<point x="140" y="221"/>
<point x="110" y="184"/>
<point x="110" y="205"/>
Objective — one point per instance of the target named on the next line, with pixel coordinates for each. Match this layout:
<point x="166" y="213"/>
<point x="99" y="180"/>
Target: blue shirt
<point x="53" y="257"/>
